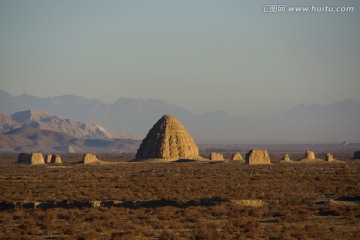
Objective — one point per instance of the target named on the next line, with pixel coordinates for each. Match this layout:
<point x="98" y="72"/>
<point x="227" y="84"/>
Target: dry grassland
<point x="181" y="201"/>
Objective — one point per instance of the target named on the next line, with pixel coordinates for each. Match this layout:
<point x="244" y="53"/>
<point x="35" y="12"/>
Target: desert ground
<point x="180" y="200"/>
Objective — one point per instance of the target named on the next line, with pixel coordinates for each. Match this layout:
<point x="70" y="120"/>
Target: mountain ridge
<point x="45" y="121"/>
<point x="334" y="122"/>
<point x="30" y="139"/>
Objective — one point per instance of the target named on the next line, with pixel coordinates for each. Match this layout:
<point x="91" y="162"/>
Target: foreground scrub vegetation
<point x="301" y="201"/>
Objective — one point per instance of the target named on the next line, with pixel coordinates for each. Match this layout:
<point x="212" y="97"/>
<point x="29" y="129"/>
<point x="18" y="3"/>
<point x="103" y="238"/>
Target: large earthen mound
<point x="168" y="140"/>
<point x="258" y="156"/>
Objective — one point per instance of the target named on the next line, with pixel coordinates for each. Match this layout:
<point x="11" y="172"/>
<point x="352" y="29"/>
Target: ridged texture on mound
<point x="168" y="139"/>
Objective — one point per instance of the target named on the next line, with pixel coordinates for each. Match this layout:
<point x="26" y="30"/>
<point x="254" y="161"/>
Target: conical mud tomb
<point x="168" y="140"/>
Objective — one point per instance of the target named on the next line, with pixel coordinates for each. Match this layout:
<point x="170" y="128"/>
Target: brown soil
<point x="277" y="201"/>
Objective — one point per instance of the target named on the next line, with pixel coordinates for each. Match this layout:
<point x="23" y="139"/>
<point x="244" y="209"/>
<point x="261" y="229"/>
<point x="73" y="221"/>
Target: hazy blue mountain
<point x="302" y="124"/>
<point x="334" y="122"/>
<point x="10" y="104"/>
<point x="135" y="115"/>
<point x="66" y="106"/>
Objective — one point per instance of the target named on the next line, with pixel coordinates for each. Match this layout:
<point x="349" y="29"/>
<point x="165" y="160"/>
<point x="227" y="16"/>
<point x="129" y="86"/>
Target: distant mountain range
<point x="29" y="139"/>
<point x="302" y="124"/>
<point x="133" y="116"/>
<point x="45" y="121"/>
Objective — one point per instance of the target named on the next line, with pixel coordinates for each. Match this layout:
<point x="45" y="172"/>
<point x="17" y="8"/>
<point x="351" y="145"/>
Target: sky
<point x="203" y="55"/>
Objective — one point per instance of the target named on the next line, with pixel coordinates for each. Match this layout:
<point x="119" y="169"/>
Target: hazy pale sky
<point x="201" y="55"/>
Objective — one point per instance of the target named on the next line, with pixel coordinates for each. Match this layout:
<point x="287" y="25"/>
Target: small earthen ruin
<point x="257" y="156"/>
<point x="329" y="157"/>
<point x="89" y="158"/>
<point x="33" y="158"/>
<point x="214" y="156"/>
<point x="357" y="155"/>
<point x="236" y="157"/>
<point x="48" y="158"/>
<point x="286" y="159"/>
<point x="56" y="159"/>
<point x="310" y="155"/>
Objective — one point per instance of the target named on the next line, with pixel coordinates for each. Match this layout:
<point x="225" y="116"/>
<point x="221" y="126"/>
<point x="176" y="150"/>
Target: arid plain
<point x="180" y="200"/>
